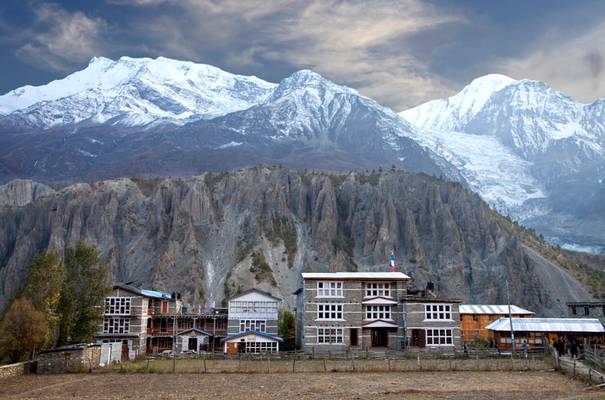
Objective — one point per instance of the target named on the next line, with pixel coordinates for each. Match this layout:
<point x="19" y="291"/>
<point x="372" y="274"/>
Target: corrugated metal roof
<point x="156" y="294"/>
<point x="497" y="309"/>
<point x="578" y="325"/>
<point x="356" y="275"/>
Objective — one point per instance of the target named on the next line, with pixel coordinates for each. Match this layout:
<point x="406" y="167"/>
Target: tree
<point x="45" y="277"/>
<point x="22" y="330"/>
<point x="286" y="324"/>
<point x="83" y="294"/>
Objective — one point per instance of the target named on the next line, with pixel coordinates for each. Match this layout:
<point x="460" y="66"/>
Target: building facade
<point x="539" y="333"/>
<point x="474" y="319"/>
<point x="150" y="321"/>
<point x="127" y="316"/>
<point x="350" y="311"/>
<point x="587" y="309"/>
<point x="431" y="323"/>
<point x="252" y="323"/>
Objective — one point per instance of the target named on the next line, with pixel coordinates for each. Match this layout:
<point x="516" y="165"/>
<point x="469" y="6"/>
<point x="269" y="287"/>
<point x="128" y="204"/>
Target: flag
<point x="392" y="262"/>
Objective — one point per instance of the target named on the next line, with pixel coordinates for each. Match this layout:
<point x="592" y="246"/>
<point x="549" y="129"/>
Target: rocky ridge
<point x="212" y="235"/>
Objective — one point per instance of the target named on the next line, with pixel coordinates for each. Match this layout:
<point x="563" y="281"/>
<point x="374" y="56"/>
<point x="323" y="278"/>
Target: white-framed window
<point x="252" y="325"/>
<point x="116" y="325"/>
<point x="329" y="335"/>
<point x="117" y="305"/>
<point x="329" y="311"/>
<point x="378" y="312"/>
<point x="374" y="289"/>
<point x="260" y="347"/>
<point x="259" y="309"/>
<point x="329" y="289"/>
<point x="439" y="337"/>
<point x="438" y="312"/>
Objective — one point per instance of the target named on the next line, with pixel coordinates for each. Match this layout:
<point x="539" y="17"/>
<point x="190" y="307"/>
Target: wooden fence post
<point x="325" y="368"/>
<point x="294" y="365"/>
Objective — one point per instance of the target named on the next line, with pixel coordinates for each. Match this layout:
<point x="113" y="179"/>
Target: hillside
<point x="212" y="235"/>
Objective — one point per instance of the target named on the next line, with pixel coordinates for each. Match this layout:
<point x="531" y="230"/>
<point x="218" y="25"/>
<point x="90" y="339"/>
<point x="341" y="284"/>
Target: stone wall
<point x="17" y="369"/>
<point x="75" y="359"/>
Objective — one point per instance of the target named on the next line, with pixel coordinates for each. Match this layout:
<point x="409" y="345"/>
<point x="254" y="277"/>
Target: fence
<point x="272" y="364"/>
<point x="427" y="353"/>
<point x="578" y="369"/>
<point x="595" y="355"/>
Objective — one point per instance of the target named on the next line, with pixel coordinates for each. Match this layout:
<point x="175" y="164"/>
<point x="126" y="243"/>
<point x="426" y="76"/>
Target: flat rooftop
<point x="366" y="276"/>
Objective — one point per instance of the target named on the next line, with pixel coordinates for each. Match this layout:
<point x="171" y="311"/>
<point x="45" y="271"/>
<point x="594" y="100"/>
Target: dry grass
<point x="411" y="385"/>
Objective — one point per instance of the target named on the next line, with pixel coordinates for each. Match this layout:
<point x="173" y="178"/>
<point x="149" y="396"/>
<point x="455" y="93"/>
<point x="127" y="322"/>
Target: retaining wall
<point x="17" y="369"/>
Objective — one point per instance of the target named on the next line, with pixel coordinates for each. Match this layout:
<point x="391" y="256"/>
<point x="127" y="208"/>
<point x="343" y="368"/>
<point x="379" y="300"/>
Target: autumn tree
<point x="45" y="277"/>
<point x="83" y="294"/>
<point x="23" y="329"/>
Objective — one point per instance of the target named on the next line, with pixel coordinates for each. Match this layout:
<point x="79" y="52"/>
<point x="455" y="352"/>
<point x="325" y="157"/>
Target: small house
<point x="194" y="340"/>
<point x="252" y="318"/>
<point x="475" y="317"/>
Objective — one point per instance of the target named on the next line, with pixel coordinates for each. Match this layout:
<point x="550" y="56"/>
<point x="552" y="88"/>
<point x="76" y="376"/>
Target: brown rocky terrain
<point x="211" y="235"/>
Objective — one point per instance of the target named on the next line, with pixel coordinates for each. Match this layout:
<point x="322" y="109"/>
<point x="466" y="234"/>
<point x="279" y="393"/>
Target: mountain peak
<point x="99" y="60"/>
<point x="495" y="81"/>
<point x="448" y="113"/>
<point x="135" y="91"/>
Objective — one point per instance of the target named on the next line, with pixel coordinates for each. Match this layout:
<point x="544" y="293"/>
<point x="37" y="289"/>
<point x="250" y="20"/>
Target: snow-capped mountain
<point x="528" y="116"/>
<point x="134" y="92"/>
<point x="178" y="118"/>
<point x="527" y="149"/>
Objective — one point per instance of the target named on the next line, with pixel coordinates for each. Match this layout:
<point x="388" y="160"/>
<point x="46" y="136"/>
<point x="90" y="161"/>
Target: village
<point x="354" y="329"/>
<point x="350" y="314"/>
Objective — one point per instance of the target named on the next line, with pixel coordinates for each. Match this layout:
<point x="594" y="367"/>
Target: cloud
<point x="60" y="39"/>
<point x="363" y="44"/>
<point x="357" y="43"/>
<point x="573" y="65"/>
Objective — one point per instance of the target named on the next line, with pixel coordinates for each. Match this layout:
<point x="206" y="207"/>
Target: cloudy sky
<point x="401" y="53"/>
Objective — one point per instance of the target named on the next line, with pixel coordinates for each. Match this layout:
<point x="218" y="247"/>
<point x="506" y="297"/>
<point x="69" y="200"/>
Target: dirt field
<point x="410" y="385"/>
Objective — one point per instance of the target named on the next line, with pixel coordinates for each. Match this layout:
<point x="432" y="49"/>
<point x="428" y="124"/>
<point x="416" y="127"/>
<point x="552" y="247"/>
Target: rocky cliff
<point x="212" y="235"/>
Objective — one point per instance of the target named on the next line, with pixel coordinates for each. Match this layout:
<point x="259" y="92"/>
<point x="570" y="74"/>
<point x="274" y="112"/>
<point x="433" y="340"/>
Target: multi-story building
<point x="127" y="317"/>
<point x="252" y="327"/>
<point x="431" y="322"/>
<point x="474" y="318"/>
<point x="149" y="321"/>
<point x="587" y="309"/>
<point x="351" y="310"/>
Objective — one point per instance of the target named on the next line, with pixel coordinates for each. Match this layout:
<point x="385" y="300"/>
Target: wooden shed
<point x="475" y="317"/>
